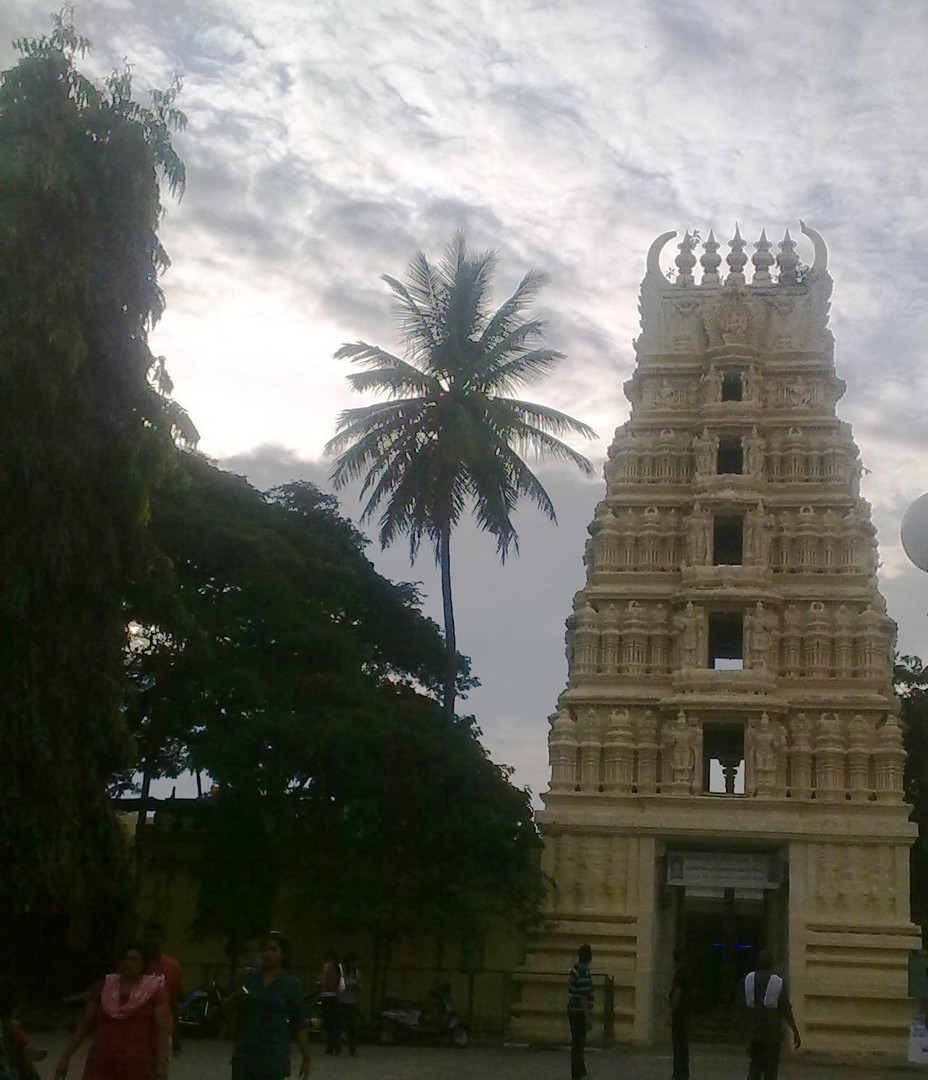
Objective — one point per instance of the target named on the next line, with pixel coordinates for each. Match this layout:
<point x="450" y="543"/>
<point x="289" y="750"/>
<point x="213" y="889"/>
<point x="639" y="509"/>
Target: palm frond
<point x="424" y="283"/>
<point x="402" y="379"/>
<point x="547" y="446"/>
<point x="549" y="420"/>
<point x="380" y="422"/>
<point x="521" y="370"/>
<point x="509" y="312"/>
<point x="521" y="481"/>
<point x="419" y="325"/>
<point x="360" y="352"/>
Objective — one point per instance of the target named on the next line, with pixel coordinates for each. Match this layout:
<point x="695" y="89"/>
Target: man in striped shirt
<point x="579" y="1009"/>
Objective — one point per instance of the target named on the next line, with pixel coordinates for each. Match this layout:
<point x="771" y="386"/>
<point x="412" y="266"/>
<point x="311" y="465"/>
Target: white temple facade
<point x="726" y="760"/>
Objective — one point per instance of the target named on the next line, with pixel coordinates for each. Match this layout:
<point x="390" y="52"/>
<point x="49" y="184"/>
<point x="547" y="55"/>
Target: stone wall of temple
<point x="730" y="664"/>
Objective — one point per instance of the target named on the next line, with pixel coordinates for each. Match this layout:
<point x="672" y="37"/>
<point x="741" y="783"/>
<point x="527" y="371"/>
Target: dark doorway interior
<point x="730" y="455"/>
<point x="726" y="639"/>
<point x="721" y="947"/>
<point x="731" y="386"/>
<point x="728" y="541"/>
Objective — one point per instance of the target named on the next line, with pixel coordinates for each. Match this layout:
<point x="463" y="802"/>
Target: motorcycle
<point x="200" y="1011"/>
<point x="435" y="1019"/>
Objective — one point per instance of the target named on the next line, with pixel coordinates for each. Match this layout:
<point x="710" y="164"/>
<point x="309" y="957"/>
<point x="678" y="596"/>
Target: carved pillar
<point x="635" y="639"/>
<point x="871" y="644"/>
<point x="792" y="642"/>
<point x="562" y="751"/>
<point x="649" y="540"/>
<point x="807" y="540"/>
<point x="890" y="760"/>
<point x="606" y="542"/>
<point x="667" y="558"/>
<point x="829" y="757"/>
<point x="830" y="541"/>
<point x="610" y="638"/>
<point x="659" y="657"/>
<point x="585" y="640"/>
<point x="618" y="753"/>
<point x="787" y="533"/>
<point x="858" y="757"/>
<point x="800" y="758"/>
<point x="628" y="530"/>
<point x="844" y="643"/>
<point x="646" y="778"/>
<point x="817" y="643"/>
<point x="590" y="747"/>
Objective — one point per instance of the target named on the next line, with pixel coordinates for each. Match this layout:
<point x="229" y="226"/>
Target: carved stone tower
<point x="726" y="761"/>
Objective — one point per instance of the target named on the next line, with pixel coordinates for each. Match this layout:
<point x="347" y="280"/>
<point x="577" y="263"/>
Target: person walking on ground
<point x="128" y="1016"/>
<point x="159" y="963"/>
<point x="273" y="1012"/>
<point x="680" y="997"/>
<point x="331" y="984"/>
<point x="580" y="1009"/>
<point x="348" y="1002"/>
<point x="768" y="1007"/>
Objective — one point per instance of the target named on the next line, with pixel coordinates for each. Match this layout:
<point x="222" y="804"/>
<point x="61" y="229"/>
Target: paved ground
<point x="207" y="1060"/>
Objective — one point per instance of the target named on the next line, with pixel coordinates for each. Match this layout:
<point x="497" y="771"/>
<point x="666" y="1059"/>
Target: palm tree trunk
<point x="451" y="649"/>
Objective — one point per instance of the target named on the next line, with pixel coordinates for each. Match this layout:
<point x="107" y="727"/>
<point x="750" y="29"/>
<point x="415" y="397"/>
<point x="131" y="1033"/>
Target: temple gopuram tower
<point x="726" y="760"/>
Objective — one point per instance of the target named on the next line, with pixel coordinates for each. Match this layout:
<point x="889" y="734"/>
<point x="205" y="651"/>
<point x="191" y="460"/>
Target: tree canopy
<point x="161" y="615"/>
<point x="911" y="678"/>
<point x="303" y="683"/>
<point x="84" y="442"/>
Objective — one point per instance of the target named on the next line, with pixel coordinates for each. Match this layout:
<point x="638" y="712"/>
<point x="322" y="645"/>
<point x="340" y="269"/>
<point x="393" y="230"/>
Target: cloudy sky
<point x="331" y="139"/>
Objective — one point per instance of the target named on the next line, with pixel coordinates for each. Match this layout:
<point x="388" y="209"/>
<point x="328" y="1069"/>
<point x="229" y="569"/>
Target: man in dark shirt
<point x="680" y="996"/>
<point x="767" y="1005"/>
<point x="579" y="1009"/>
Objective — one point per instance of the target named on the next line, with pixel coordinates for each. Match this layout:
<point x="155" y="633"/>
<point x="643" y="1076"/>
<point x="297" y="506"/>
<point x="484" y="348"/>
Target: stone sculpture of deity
<point x="706" y="448"/>
<point x="686" y="624"/>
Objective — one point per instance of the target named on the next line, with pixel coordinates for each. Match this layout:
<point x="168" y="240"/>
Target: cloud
<point x="328" y="142"/>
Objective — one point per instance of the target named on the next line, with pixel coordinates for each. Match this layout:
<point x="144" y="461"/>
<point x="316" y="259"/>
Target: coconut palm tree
<point x="448" y="439"/>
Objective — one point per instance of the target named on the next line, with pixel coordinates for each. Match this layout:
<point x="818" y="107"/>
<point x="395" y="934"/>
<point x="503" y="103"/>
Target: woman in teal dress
<point x="273" y="1014"/>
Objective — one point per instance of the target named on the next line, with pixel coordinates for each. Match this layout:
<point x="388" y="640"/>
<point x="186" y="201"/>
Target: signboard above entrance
<point x="724" y="870"/>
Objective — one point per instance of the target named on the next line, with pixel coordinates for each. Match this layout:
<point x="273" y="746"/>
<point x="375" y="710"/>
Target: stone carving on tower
<point x="729" y="705"/>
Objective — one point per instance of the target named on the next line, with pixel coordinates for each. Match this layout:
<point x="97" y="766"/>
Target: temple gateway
<point x="726" y="760"/>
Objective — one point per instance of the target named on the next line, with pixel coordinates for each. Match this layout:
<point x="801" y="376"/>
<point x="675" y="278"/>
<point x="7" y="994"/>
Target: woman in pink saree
<point x="129" y="1018"/>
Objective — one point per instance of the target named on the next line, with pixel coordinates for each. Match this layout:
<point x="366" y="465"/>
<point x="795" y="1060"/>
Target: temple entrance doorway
<point x="722" y="926"/>
<point x="721" y="945"/>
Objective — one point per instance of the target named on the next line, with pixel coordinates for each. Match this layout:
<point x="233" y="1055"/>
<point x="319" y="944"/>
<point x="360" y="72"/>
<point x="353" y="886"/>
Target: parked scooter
<point x="200" y="1011"/>
<point x="433" y="1020"/>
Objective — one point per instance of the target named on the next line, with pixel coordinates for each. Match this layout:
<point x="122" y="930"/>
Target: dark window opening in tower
<point x="731" y="386"/>
<point x="726" y="640"/>
<point x="728" y="541"/>
<point x="723" y="759"/>
<point x="731" y="455"/>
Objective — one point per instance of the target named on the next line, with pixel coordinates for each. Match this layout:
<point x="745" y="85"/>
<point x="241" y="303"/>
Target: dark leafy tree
<point x="84" y="441"/>
<point x="911" y="678"/>
<point x="449" y="439"/>
<point x="302" y="683"/>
